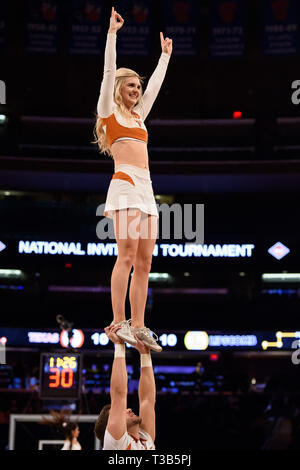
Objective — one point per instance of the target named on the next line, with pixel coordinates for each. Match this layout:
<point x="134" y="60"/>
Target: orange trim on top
<point x="123" y="176"/>
<point x="114" y="130"/>
<point x="129" y="447"/>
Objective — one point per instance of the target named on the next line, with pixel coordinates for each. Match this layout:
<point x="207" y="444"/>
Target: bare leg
<point x="142" y="265"/>
<point x="127" y="248"/>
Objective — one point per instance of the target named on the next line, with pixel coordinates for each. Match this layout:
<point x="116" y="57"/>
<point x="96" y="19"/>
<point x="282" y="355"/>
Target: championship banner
<point x="227" y="35"/>
<point x="41" y="26"/>
<point x="181" y="25"/>
<point x="280" y="27"/>
<point x="3" y="24"/>
<point x="134" y="38"/>
<point x="86" y="27"/>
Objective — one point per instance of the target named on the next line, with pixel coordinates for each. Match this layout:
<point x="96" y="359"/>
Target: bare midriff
<point x="130" y="153"/>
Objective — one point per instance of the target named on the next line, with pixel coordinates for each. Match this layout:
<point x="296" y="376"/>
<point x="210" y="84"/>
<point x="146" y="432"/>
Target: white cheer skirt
<point x="130" y="187"/>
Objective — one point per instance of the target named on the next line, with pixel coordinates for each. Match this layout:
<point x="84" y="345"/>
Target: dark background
<point x="195" y="87"/>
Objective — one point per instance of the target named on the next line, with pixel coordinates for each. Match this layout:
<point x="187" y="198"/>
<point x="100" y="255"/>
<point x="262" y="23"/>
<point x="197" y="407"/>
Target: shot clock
<point x="60" y="376"/>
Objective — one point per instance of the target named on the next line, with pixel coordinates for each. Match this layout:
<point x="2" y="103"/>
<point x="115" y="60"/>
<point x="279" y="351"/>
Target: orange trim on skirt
<point x="123" y="176"/>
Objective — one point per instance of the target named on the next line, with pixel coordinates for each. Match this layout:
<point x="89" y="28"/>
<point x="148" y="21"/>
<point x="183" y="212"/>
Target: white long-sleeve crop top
<point x="115" y="126"/>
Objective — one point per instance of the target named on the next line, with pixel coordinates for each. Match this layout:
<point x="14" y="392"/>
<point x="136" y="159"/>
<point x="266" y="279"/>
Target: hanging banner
<point x="181" y="25"/>
<point x="227" y="36"/>
<point x="134" y="38"/>
<point x="280" y="27"/>
<point x="86" y="27"/>
<point x="41" y="26"/>
<point x="3" y="24"/>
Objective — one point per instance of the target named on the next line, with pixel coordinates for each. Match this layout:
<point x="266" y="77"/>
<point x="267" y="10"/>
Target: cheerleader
<point x="121" y="133"/>
<point x="71" y="431"/>
<point x="61" y="421"/>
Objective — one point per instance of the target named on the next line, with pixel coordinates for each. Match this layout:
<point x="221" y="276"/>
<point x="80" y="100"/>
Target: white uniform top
<point x="128" y="442"/>
<point x="75" y="446"/>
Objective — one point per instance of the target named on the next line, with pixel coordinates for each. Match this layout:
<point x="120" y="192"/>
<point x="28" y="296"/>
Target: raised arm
<point x="106" y="98"/>
<point x="116" y="424"/>
<point x="157" y="78"/>
<point x="147" y="390"/>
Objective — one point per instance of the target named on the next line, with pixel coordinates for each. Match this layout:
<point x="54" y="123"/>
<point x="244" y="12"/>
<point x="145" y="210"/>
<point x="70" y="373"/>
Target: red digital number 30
<point x="62" y="378"/>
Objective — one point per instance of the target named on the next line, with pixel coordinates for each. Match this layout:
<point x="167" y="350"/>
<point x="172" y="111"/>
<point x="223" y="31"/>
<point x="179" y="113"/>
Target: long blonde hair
<point x="99" y="134"/>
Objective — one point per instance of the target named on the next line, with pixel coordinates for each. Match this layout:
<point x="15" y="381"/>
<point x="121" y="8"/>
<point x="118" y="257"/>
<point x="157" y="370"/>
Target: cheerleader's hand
<point x="116" y="21"/>
<point x="111" y="334"/>
<point x="166" y="44"/>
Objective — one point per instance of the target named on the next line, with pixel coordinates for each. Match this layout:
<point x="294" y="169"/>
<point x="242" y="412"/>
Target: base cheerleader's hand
<point x="114" y="24"/>
<point x="166" y="44"/>
<point x="140" y="346"/>
<point x="111" y="334"/>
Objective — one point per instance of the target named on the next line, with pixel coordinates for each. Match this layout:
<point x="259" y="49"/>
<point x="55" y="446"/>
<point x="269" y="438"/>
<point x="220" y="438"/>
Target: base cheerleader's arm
<point x="147" y="390"/>
<point x="116" y="424"/>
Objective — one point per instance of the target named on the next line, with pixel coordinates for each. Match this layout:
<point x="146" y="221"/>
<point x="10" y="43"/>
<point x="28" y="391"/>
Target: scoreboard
<point x="60" y="376"/>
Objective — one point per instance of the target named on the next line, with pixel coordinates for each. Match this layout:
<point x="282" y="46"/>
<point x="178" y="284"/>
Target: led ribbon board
<point x="196" y="340"/>
<point x="173" y="250"/>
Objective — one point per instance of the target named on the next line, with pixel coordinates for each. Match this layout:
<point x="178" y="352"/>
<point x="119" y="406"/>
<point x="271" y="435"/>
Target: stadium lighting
<point x="11" y="273"/>
<point x="281" y="277"/>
